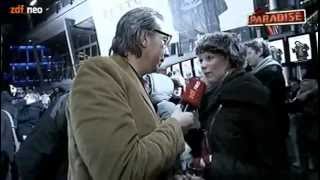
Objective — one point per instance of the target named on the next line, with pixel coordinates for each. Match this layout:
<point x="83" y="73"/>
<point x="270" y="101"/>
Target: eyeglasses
<point x="165" y="37"/>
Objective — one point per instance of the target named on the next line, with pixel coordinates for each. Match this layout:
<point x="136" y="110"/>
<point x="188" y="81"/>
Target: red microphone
<point x="193" y="93"/>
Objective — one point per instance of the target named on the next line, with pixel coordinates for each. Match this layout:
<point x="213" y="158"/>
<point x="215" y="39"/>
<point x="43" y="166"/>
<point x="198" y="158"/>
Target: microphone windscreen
<point x="193" y="93"/>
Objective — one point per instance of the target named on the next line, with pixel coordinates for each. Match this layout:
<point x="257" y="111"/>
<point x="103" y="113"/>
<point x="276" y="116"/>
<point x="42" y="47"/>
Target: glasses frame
<point x="168" y="36"/>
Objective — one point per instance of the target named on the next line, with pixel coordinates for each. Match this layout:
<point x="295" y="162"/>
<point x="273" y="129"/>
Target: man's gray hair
<point x="259" y="45"/>
<point x="131" y="28"/>
<point x="227" y="44"/>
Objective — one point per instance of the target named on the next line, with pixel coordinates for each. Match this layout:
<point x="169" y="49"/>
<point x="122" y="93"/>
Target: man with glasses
<point x="114" y="131"/>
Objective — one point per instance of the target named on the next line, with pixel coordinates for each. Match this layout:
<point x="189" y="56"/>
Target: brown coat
<point x="114" y="132"/>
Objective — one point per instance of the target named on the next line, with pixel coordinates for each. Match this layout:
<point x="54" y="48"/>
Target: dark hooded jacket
<point x="242" y="134"/>
<point x="271" y="76"/>
<point x="44" y="155"/>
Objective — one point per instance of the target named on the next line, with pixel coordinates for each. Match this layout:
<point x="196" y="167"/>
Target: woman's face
<point x="214" y="66"/>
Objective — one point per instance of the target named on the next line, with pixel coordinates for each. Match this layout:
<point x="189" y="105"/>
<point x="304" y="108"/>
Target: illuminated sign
<point x="278" y="18"/>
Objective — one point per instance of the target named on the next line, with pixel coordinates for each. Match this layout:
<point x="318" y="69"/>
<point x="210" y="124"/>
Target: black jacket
<point x="28" y="118"/>
<point x="272" y="77"/>
<point x="44" y="154"/>
<point x="243" y="136"/>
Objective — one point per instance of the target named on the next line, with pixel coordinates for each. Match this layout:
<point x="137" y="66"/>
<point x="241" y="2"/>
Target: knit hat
<point x="227" y="43"/>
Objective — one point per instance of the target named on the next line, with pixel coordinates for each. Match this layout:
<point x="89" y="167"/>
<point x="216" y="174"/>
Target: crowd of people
<point x="121" y="118"/>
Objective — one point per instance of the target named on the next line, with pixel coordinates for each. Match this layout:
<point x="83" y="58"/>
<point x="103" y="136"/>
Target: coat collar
<point x="132" y="74"/>
<point x="212" y="97"/>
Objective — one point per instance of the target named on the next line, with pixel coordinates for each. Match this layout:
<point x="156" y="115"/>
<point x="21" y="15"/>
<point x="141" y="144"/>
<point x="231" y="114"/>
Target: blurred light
<point x="33" y="2"/>
<point x="304" y="2"/>
<point x="32" y="64"/>
<point x="47" y="9"/>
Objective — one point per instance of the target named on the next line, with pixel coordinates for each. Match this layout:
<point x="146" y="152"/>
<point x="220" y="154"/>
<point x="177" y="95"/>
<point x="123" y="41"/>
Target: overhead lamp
<point x="33" y="2"/>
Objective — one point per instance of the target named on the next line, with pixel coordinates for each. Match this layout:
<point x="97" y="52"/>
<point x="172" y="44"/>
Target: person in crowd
<point x="9" y="145"/>
<point x="114" y="132"/>
<point x="305" y="110"/>
<point x="293" y="151"/>
<point x="44" y="154"/>
<point x="31" y="111"/>
<point x="45" y="100"/>
<point x="161" y="90"/>
<point x="9" y="140"/>
<point x="269" y="72"/>
<point x="28" y="116"/>
<point x="60" y="88"/>
<point x="241" y="133"/>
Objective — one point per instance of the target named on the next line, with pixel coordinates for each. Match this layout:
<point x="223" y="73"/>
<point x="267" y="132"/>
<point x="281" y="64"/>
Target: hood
<point x="161" y="87"/>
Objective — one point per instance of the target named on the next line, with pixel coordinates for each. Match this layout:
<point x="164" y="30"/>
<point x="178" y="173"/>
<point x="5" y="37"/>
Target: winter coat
<point x="114" y="132"/>
<point x="28" y="118"/>
<point x="242" y="133"/>
<point x="270" y="74"/>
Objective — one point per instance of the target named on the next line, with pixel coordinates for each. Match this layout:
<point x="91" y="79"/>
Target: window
<point x="187" y="69"/>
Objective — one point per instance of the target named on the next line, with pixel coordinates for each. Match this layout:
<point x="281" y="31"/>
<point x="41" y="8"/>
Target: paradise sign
<point x="278" y="18"/>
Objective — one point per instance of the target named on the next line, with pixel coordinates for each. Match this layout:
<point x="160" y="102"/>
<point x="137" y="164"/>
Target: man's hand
<point x="185" y="119"/>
